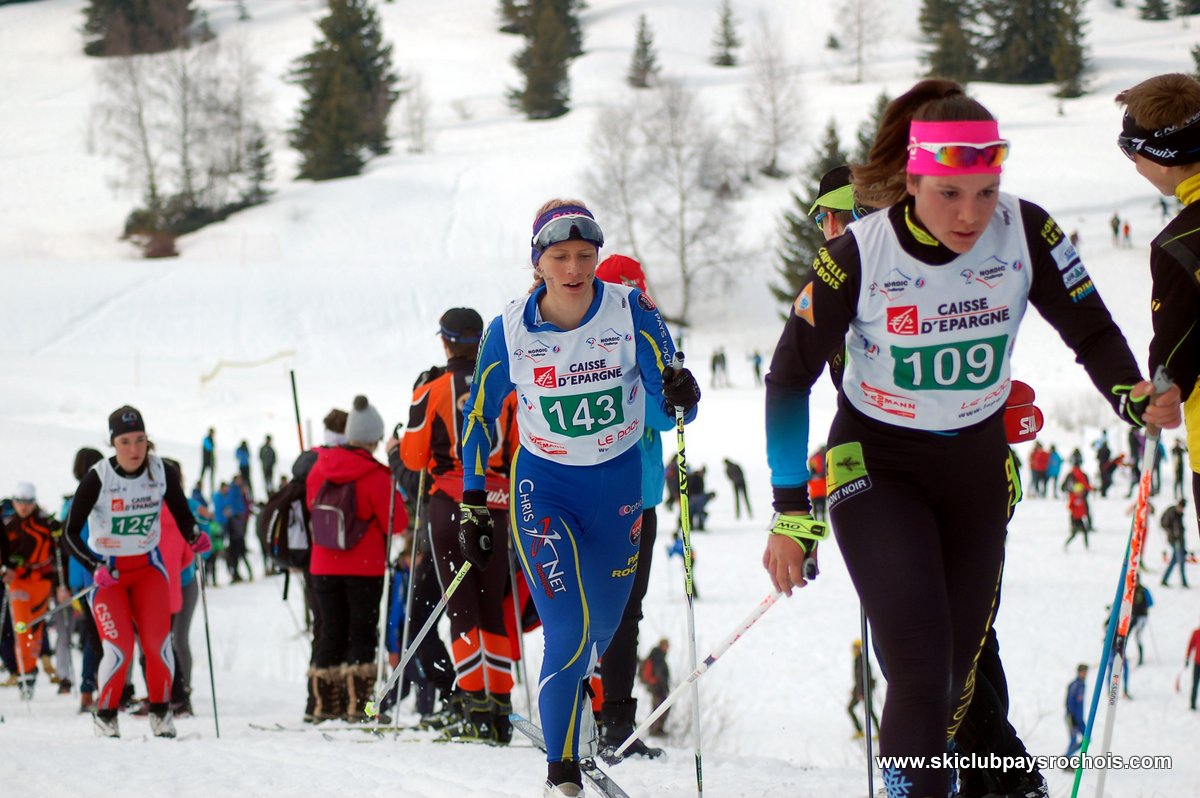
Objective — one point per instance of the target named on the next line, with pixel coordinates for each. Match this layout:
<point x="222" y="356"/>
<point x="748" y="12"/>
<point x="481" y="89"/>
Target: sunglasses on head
<point x="565" y="228"/>
<point x="960" y="155"/>
<point x="22" y="501"/>
<point x="820" y="217"/>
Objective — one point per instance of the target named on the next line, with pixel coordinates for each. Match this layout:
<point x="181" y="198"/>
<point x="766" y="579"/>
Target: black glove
<point x="475" y="529"/>
<point x="1131" y="408"/>
<point x="680" y="388"/>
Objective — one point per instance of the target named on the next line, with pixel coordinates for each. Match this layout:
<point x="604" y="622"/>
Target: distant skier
<point x="738" y="480"/>
<point x="267" y="459"/>
<point x="1076" y="724"/>
<point x="655" y="674"/>
<point x="858" y="694"/>
<point x="243" y="460"/>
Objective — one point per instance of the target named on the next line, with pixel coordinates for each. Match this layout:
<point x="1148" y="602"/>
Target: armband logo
<point x="646" y="302"/>
<point x="803" y="306"/>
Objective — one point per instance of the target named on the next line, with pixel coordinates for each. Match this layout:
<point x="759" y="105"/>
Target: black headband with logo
<point x="1175" y="145"/>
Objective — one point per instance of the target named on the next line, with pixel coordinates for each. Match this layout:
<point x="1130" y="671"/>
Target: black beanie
<point x="124" y="419"/>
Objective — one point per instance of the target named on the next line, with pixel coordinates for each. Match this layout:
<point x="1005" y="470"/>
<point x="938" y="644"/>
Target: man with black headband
<point x="1161" y="135"/>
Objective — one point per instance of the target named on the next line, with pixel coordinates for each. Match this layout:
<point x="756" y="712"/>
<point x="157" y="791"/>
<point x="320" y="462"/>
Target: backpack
<point x="335" y="521"/>
<point x="283" y="529"/>
<point x="646" y="672"/>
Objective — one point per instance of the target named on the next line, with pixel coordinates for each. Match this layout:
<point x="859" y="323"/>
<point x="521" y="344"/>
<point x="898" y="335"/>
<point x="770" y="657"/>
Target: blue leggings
<point x="577" y="530"/>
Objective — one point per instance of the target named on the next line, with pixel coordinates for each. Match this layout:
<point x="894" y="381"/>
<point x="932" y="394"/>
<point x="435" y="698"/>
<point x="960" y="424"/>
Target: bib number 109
<point x="961" y="366"/>
<point x="583" y="413"/>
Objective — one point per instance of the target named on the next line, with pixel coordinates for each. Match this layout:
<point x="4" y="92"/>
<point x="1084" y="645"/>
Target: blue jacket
<point x="243" y="456"/>
<point x="1075" y="692"/>
<point x="1055" y="467"/>
<point x="237" y="500"/>
<point x="221" y="502"/>
<point x="653" y="470"/>
<point x="78" y="576"/>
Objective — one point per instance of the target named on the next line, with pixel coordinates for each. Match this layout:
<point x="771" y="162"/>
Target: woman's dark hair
<point x="85" y="458"/>
<point x="880" y="182"/>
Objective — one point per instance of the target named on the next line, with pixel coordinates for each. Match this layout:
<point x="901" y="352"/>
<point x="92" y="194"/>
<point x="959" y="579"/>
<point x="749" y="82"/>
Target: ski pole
<point x="1162" y="383"/>
<point x="522" y="674"/>
<point x="1110" y="631"/>
<point x="866" y="680"/>
<point x="418" y="528"/>
<point x="372" y="707"/>
<point x="296" y="407"/>
<point x="386" y="599"/>
<point x="23" y="627"/>
<point x="212" y="678"/>
<point x="685" y="524"/>
<point x="708" y="662"/>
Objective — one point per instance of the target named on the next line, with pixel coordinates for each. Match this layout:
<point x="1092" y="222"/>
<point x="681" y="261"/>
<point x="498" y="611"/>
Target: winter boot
<point x="563" y="780"/>
<point x="360" y="685"/>
<point x="330" y="688"/>
<point x="86" y="704"/>
<point x="64" y="686"/>
<point x="310" y="704"/>
<point x="616" y="724"/>
<point x="25" y="685"/>
<point x="501" y="725"/>
<point x="104" y="722"/>
<point x="475" y="721"/>
<point x="161" y="721"/>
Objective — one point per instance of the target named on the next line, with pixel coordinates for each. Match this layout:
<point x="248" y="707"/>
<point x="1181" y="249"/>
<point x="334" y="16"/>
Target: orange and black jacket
<point x="28" y="545"/>
<point x="435" y="421"/>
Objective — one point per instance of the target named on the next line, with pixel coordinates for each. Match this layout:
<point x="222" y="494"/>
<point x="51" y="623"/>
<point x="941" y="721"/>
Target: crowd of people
<point x="524" y="488"/>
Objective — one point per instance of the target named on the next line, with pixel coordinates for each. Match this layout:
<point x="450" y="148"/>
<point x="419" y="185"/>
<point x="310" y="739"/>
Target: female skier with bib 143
<point x="584" y="357"/>
<point x="121" y="500"/>
<point x="928" y="296"/>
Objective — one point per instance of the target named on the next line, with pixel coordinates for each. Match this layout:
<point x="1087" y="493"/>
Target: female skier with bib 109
<point x="927" y="296"/>
<point x="121" y="500"/>
<point x="584" y="357"/>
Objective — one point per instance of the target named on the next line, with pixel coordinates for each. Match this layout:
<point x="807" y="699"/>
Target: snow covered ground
<point x="351" y="276"/>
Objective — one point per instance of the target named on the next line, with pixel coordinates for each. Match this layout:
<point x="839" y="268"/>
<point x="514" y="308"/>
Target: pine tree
<point x="1155" y="9"/>
<point x="349" y="87"/>
<point x="944" y="25"/>
<point x="801" y="238"/>
<point x="643" y="67"/>
<point x="543" y="62"/>
<point x="514" y="14"/>
<point x="258" y="155"/>
<point x="1016" y="42"/>
<point x="725" y="39"/>
<point x="1184" y="8"/>
<point x="134" y="27"/>
<point x="865" y="135"/>
<point x="1196" y="61"/>
<point x="568" y="12"/>
<point x="1068" y="56"/>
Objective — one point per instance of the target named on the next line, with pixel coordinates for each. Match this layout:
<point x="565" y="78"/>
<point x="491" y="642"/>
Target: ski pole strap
<point x="805" y="530"/>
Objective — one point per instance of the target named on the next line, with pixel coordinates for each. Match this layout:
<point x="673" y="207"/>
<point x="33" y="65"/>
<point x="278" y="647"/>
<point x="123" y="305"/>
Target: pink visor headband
<point x="925" y="139"/>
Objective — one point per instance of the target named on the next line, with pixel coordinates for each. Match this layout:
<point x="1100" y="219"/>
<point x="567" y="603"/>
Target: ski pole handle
<point x="708" y="662"/>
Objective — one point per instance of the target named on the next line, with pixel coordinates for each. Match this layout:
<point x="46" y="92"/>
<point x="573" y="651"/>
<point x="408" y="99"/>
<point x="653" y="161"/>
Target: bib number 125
<point x="583" y="413"/>
<point x="960" y="366"/>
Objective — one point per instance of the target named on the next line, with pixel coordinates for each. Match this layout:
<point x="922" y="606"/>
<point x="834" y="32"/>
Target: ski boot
<point x="25" y="685"/>
<point x="563" y="780"/>
<point x="182" y="708"/>
<point x="104" y="722"/>
<point x="475" y="720"/>
<point x="501" y="725"/>
<point x="616" y="724"/>
<point x="64" y="686"/>
<point x="86" y="704"/>
<point x="161" y="722"/>
<point x="450" y="712"/>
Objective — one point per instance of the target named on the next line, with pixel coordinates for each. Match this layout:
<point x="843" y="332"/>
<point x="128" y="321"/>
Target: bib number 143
<point x="583" y="413"/>
<point x="960" y="366"/>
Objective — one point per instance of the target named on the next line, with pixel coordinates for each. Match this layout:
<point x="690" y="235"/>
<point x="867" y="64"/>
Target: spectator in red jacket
<point x="347" y="577"/>
<point x="1039" y="468"/>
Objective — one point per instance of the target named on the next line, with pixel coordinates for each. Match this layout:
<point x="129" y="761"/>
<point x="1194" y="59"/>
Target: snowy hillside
<point x="350" y="277"/>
